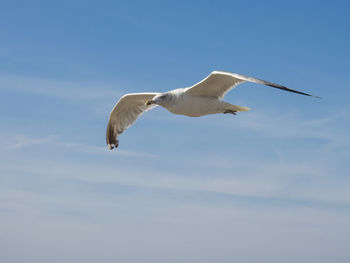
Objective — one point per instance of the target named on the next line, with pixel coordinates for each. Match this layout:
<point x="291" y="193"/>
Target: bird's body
<point x="201" y="99"/>
<point x="195" y="106"/>
<point x="182" y="103"/>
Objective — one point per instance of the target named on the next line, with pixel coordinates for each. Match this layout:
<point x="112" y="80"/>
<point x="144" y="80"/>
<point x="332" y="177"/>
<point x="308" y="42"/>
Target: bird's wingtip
<point x="111" y="146"/>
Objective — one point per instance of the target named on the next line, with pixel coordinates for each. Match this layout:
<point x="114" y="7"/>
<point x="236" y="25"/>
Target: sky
<point x="268" y="185"/>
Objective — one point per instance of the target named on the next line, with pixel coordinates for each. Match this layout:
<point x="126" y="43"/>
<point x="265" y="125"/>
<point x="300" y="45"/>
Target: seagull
<point x="201" y="99"/>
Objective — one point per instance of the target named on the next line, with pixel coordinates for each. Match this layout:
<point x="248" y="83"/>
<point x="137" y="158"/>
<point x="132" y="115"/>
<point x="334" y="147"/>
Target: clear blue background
<point x="268" y="185"/>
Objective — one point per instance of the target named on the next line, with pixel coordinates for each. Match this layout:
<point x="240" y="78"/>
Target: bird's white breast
<point x="185" y="104"/>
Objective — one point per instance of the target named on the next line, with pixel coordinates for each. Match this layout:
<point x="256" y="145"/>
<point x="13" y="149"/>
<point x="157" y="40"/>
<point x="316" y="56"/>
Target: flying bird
<point x="201" y="99"/>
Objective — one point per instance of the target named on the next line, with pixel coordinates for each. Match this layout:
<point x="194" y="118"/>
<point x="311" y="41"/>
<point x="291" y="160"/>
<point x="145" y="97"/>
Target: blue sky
<point x="268" y="185"/>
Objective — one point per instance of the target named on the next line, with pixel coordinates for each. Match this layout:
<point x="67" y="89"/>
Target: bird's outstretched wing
<point x="125" y="113"/>
<point x="218" y="83"/>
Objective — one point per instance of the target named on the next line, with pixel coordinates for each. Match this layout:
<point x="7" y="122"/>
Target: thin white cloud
<point x="247" y="179"/>
<point x="101" y="150"/>
<point x="58" y="88"/>
<point x="19" y="141"/>
<point x="238" y="176"/>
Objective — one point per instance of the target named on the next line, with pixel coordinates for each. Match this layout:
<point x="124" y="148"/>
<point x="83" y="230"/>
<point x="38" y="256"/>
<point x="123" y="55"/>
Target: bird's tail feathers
<point x="239" y="108"/>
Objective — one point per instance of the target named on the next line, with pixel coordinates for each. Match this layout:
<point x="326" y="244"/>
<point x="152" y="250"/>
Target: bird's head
<point x="161" y="99"/>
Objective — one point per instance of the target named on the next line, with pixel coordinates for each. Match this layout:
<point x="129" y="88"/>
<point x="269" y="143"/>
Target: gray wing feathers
<point x="124" y="114"/>
<point x="218" y="83"/>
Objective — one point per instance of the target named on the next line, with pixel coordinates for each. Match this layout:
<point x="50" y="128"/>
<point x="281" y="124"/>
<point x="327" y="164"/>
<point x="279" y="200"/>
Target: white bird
<point x="201" y="99"/>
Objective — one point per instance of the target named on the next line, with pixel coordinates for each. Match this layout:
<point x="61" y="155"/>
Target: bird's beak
<point x="149" y="102"/>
